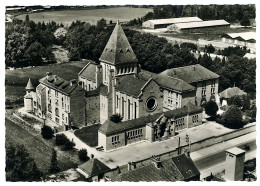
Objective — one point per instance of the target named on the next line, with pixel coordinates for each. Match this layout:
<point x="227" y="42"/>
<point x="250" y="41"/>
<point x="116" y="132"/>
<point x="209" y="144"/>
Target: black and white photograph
<point x="129" y="92"/>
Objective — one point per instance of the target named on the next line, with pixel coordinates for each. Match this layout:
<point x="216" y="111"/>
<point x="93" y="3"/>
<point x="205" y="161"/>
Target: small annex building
<point x="179" y="168"/>
<point x="197" y="26"/>
<point x="243" y="39"/>
<point x="154" y="127"/>
<point x="163" y="23"/>
<point x="228" y="93"/>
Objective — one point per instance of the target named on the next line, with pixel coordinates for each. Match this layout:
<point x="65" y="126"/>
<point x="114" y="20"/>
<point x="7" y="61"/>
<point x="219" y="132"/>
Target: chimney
<point x="55" y="78"/>
<point x="72" y="82"/>
<point x="129" y="166"/>
<point x="157" y="162"/>
<point x="98" y="75"/>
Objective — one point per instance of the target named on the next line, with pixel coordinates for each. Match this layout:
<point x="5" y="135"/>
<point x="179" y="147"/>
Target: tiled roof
<point x="175" y="20"/>
<point x="186" y="166"/>
<point x="29" y="85"/>
<point x="200" y="24"/>
<point x="94" y="167"/>
<point x="190" y="74"/>
<point x="118" y="49"/>
<point x="230" y="92"/>
<point x="130" y="85"/>
<point x="167" y="81"/>
<point x="243" y="35"/>
<point x="89" y="71"/>
<point x="110" y="127"/>
<point x="170" y="170"/>
<point x="58" y="84"/>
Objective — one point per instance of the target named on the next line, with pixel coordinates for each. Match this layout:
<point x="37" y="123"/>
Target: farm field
<point x="16" y="80"/>
<point x="91" y="16"/>
<point x="40" y="150"/>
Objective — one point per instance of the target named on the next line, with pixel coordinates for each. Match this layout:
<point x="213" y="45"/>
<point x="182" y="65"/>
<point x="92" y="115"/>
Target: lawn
<point x="88" y="135"/>
<point x="88" y="15"/>
<point x="60" y="53"/>
<point x="39" y="149"/>
<point x="16" y="80"/>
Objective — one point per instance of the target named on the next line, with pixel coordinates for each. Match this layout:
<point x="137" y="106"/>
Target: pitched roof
<point x="242" y="35"/>
<point x="200" y="24"/>
<point x="94" y="167"/>
<point x="118" y="50"/>
<point x="175" y="20"/>
<point x="191" y="73"/>
<point x="186" y="166"/>
<point x="236" y="151"/>
<point x="167" y="81"/>
<point x="110" y="127"/>
<point x="59" y="84"/>
<point x="89" y="71"/>
<point x="29" y="85"/>
<point x="130" y="85"/>
<point x="170" y="170"/>
<point x="230" y="92"/>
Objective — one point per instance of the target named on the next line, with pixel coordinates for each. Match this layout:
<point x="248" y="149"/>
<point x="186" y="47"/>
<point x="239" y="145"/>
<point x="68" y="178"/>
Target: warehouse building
<point x="197" y="26"/>
<point x="243" y="39"/>
<point x="163" y="23"/>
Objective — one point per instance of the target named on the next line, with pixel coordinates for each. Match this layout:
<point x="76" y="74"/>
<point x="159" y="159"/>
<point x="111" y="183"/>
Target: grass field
<point x="88" y="135"/>
<point x="39" y="149"/>
<point x="91" y="16"/>
<point x="16" y="80"/>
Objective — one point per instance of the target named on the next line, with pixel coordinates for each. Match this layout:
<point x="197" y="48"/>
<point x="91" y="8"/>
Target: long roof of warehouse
<point x="201" y="24"/>
<point x="175" y="20"/>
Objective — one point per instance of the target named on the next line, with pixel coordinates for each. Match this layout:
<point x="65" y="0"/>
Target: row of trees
<point x="27" y="43"/>
<point x="231" y="13"/>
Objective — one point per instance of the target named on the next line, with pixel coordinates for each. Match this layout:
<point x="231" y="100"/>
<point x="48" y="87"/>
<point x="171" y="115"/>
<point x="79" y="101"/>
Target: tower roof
<point x="118" y="50"/>
<point x="29" y="85"/>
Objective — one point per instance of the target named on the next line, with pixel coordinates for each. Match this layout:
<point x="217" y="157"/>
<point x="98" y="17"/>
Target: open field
<point x="91" y="16"/>
<point x="88" y="135"/>
<point x="39" y="149"/>
<point x="16" y="80"/>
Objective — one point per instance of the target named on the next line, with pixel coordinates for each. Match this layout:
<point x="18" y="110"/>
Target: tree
<point x="210" y="48"/>
<point x="54" y="168"/>
<point x="19" y="165"/>
<point x="116" y="118"/>
<point x="211" y="108"/>
<point x="34" y="54"/>
<point x="233" y="117"/>
<point x="245" y="21"/>
<point x="101" y="24"/>
<point x="83" y="155"/>
<point x="236" y="100"/>
<point x="47" y="132"/>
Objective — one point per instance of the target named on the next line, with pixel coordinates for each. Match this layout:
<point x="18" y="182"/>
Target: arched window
<point x="134" y="110"/>
<point x="123" y="107"/>
<point x="62" y="103"/>
<point x="57" y="112"/>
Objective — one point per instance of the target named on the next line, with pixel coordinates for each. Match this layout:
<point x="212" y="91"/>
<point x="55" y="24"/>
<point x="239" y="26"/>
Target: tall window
<point x="123" y="107"/>
<point x="105" y="73"/>
<point x="117" y="101"/>
<point x="203" y="91"/>
<point x="135" y="107"/>
<point x="56" y="93"/>
<point x="129" y="109"/>
<point x="62" y="102"/>
<point x="49" y="107"/>
<point x="170" y="93"/>
<point x="57" y="112"/>
<point x="212" y="87"/>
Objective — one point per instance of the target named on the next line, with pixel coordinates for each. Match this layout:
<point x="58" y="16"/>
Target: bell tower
<point x="118" y="55"/>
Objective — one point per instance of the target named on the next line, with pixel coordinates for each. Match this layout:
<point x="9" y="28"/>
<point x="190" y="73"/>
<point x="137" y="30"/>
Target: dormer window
<point x="106" y="49"/>
<point x="127" y="50"/>
<point x="121" y="51"/>
<point x="111" y="50"/>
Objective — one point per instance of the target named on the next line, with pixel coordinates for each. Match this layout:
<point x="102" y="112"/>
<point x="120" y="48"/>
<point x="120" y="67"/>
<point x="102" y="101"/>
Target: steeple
<point x="118" y="50"/>
<point x="29" y="85"/>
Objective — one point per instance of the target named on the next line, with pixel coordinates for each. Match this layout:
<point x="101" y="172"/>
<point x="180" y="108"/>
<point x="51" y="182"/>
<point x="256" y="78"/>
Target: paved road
<point x="220" y="157"/>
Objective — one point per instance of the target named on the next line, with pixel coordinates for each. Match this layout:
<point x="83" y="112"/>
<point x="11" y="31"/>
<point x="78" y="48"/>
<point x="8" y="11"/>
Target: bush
<point x="64" y="142"/>
<point x="211" y="108"/>
<point x="47" y="132"/>
<point x="83" y="155"/>
<point x="220" y="120"/>
<point x="233" y="117"/>
<point x="236" y="100"/>
<point x="116" y="118"/>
